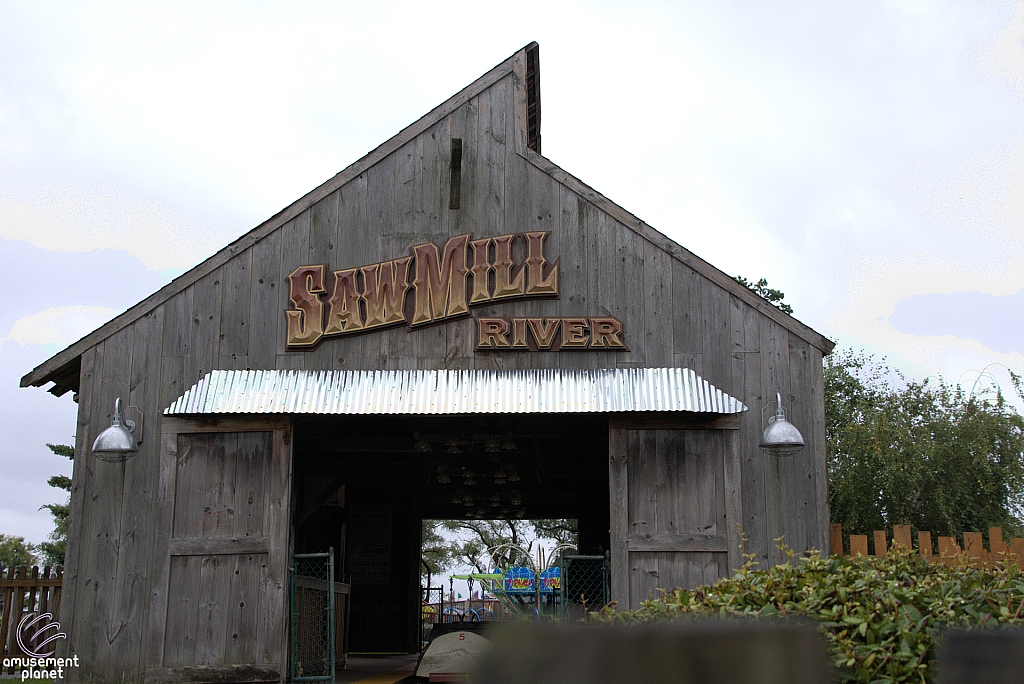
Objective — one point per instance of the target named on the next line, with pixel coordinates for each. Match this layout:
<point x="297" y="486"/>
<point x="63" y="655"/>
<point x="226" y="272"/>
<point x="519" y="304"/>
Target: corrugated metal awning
<point x="454" y="392"/>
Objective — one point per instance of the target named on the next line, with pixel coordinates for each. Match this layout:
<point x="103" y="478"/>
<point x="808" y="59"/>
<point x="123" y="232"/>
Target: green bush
<point x="881" y="618"/>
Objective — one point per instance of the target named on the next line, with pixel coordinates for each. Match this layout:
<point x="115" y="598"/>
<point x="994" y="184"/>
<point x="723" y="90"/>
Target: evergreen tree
<point x="762" y="290"/>
<point x="53" y="549"/>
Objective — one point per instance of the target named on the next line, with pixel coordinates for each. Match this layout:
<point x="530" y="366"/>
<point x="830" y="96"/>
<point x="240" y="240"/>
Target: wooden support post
<point x="948" y="548"/>
<point x="901" y="536"/>
<point x="880" y="543"/>
<point x="619" y="518"/>
<point x="858" y="544"/>
<point x="995" y="542"/>
<point x="974" y="545"/>
<point x="836" y="532"/>
<point x="733" y="499"/>
<point x="924" y="544"/>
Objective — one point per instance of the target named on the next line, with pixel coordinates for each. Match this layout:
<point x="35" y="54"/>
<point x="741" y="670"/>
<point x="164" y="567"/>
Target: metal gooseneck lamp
<point x="116" y="444"/>
<point x="781" y="437"/>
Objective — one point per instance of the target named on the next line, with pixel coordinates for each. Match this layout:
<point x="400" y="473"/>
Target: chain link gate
<point x="584" y="585"/>
<point x="312" y="641"/>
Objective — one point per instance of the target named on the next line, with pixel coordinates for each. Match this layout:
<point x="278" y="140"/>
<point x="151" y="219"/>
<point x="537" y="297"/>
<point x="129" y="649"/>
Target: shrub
<point x="881" y="618"/>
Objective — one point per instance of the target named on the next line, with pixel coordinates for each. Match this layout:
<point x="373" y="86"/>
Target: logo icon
<point x="28" y="631"/>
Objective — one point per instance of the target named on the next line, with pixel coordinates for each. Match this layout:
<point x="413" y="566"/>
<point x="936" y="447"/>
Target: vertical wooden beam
<point x="995" y="540"/>
<point x="924" y="544"/>
<point x="519" y="103"/>
<point x="974" y="545"/>
<point x="858" y="545"/>
<point x="278" y="532"/>
<point x="157" y="627"/>
<point x="948" y="547"/>
<point x="901" y="536"/>
<point x="83" y="439"/>
<point x="881" y="546"/>
<point x="733" y="497"/>
<point x="267" y="297"/>
<point x="618" y="503"/>
<point x="816" y="430"/>
<point x="836" y="534"/>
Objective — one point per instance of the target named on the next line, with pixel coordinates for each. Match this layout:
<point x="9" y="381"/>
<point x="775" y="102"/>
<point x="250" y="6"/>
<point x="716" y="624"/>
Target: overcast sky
<point x="866" y="158"/>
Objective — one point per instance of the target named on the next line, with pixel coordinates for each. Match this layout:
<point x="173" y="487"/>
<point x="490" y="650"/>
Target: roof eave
<point x="677" y="251"/>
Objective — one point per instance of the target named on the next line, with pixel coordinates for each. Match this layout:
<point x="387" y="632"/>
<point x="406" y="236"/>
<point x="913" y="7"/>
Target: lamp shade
<point x="781" y="437"/>
<point x="116" y="443"/>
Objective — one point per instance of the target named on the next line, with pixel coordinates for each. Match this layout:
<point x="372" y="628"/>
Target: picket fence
<point x="25" y="590"/>
<point x="946" y="551"/>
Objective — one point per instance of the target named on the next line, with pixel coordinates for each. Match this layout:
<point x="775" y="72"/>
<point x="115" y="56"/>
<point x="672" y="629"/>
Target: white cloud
<point x="954" y="225"/>
<point x="79" y="220"/>
<point x="58" y="325"/>
<point x="1004" y="59"/>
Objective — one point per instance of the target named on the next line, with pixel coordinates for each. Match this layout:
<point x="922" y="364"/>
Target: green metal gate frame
<point x="299" y="631"/>
<point x="599" y="588"/>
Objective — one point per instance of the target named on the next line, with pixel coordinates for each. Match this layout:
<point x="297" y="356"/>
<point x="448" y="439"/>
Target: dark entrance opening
<point x="364" y="484"/>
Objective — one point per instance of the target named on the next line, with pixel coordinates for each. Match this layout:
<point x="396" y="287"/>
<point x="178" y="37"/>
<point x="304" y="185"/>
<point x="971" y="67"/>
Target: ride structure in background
<point x="517" y="589"/>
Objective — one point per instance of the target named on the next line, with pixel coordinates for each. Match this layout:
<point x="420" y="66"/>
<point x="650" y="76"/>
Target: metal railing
<point x="312" y="627"/>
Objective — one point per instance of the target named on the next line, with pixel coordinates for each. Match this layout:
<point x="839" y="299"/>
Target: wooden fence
<point x="22" y="591"/>
<point x="947" y="551"/>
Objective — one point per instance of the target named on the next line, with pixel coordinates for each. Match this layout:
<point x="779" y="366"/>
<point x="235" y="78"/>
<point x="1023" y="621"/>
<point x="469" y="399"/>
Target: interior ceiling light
<point x="467" y="472"/>
<point x="492" y="446"/>
<point x="422" y="445"/>
<point x="513" y="476"/>
<point x="508" y="444"/>
<point x="457" y="499"/>
<point x="469" y="482"/>
<point x="454" y="449"/>
<point x="442" y="476"/>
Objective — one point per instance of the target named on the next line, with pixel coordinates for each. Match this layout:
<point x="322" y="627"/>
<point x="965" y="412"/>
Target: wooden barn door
<point x="675" y="503"/>
<point x="219" y="608"/>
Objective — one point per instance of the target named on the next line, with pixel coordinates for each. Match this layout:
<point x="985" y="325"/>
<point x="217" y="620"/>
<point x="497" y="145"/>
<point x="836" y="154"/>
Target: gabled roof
<point x="63" y="368"/>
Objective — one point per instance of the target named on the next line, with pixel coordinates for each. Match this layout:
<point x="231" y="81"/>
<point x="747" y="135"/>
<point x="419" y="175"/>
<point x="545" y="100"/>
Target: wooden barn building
<point x="451" y="303"/>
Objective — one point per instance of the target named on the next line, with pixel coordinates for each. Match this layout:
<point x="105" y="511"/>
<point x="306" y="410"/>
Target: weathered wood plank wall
<point x="232" y="317"/>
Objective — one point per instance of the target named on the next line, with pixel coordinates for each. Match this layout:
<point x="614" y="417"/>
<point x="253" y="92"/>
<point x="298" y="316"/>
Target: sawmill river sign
<point x="446" y="283"/>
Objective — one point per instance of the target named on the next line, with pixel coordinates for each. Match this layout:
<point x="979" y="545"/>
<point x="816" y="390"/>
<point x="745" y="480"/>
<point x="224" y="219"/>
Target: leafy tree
<point x="486" y="535"/>
<point x="919" y="453"/>
<point x="53" y="550"/>
<point x="436" y="553"/>
<point x="16" y="552"/>
<point x="558" y="530"/>
<point x="762" y="290"/>
<point x="441" y="553"/>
